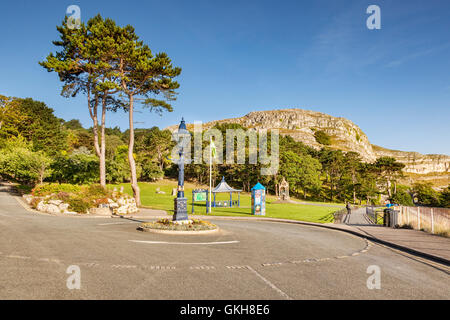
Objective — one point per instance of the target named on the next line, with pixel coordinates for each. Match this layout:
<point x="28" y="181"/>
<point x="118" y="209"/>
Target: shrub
<point x="35" y="202"/>
<point x="402" y="197"/>
<point x="322" y="137"/>
<point x="101" y="201"/>
<point x="21" y="164"/>
<point x="79" y="204"/>
<point x="80" y="167"/>
<point x="43" y="190"/>
<point x="63" y="196"/>
<point x="151" y="171"/>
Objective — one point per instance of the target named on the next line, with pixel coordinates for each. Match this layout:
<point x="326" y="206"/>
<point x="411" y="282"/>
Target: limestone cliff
<point x="345" y="135"/>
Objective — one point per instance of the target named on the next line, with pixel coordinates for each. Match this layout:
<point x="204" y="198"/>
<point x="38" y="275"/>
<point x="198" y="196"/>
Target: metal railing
<point x="375" y="214"/>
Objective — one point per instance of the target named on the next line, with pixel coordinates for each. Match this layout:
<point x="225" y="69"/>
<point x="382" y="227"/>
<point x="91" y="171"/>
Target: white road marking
<point x="269" y="283"/>
<point x="17" y="257"/>
<point x="111" y="223"/>
<point x="192" y="243"/>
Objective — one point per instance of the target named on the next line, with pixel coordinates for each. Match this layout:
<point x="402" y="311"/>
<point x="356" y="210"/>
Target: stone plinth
<point x="180" y="209"/>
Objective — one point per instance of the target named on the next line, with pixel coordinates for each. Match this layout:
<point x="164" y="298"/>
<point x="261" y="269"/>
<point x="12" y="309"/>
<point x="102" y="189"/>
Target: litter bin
<point x="387" y="217"/>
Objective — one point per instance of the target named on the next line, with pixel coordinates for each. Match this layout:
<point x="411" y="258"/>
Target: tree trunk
<point x="93" y="113"/>
<point x="103" y="146"/>
<point x="134" y="184"/>
<point x="389" y="188"/>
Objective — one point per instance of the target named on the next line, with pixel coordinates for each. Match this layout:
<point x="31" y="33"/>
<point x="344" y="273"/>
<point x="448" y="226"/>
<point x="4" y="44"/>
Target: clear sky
<point x="242" y="56"/>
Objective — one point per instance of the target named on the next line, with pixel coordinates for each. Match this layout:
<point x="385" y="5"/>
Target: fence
<point x="375" y="214"/>
<point x="434" y="220"/>
<point x="339" y="215"/>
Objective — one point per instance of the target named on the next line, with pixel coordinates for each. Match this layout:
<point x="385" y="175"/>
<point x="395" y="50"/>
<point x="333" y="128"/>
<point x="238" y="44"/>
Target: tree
<point x="80" y="167"/>
<point x="10" y="117"/>
<point x="310" y="174"/>
<point x="83" y="66"/>
<point x="368" y="188"/>
<point x="352" y="161"/>
<point x="73" y="124"/>
<point x="140" y="76"/>
<point x="445" y="197"/>
<point x="19" y="162"/>
<point x="390" y="170"/>
<point x="159" y="144"/>
<point x="426" y="195"/>
<point x="332" y="163"/>
<point x="301" y="171"/>
<point x="402" y="196"/>
<point x="34" y="121"/>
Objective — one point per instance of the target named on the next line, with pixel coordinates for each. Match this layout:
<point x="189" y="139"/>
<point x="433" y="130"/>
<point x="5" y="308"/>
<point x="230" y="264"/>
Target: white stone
<point x="63" y="207"/>
<point x="28" y="198"/>
<point x="41" y="206"/>
<point x="55" y="202"/>
<point x="51" y="208"/>
<point x="100" y="211"/>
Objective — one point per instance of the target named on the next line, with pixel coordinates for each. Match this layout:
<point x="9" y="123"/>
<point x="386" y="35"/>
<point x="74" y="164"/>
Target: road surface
<point x="245" y="260"/>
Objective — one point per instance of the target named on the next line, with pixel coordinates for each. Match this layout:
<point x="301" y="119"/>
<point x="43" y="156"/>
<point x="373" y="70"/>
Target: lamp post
<point x="180" y="202"/>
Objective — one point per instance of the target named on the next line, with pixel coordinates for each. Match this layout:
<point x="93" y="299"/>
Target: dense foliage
<point x="322" y="137"/>
<point x="325" y="175"/>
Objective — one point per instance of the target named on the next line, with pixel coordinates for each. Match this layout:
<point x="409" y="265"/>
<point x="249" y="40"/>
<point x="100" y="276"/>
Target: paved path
<point x="357" y="217"/>
<point x="245" y="260"/>
<point x="413" y="239"/>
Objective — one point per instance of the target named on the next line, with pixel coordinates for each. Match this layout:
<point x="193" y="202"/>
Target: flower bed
<point x="66" y="198"/>
<point x="169" y="225"/>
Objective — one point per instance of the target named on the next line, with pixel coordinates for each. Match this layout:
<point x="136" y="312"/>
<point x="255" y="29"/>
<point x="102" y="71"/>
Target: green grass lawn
<point x="302" y="212"/>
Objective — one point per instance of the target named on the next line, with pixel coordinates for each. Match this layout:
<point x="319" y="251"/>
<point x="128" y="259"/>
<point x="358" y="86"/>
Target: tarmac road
<point x="244" y="260"/>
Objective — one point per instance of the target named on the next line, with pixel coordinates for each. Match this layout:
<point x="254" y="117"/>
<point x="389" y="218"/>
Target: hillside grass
<point x="302" y="212"/>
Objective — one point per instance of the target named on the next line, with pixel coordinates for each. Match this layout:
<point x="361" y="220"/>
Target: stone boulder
<point x="41" y="206"/>
<point x="28" y="198"/>
<point x="55" y="202"/>
<point x="52" y="208"/>
<point x="100" y="211"/>
<point x="64" y="207"/>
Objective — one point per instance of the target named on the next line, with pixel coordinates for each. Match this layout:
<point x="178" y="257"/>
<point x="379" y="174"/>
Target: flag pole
<point x="210" y="172"/>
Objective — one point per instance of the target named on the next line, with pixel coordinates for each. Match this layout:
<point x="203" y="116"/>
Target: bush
<point x="322" y="137"/>
<point x="63" y="196"/>
<point x="80" y="167"/>
<point x="426" y="195"/>
<point x="402" y="197"/>
<point x="95" y="191"/>
<point x="79" y="204"/>
<point x="43" y="190"/>
<point x="18" y="162"/>
<point x="151" y="171"/>
<point x="35" y="202"/>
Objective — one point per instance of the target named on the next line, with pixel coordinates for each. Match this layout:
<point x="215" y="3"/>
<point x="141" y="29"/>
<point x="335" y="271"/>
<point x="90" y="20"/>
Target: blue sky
<point x="242" y="56"/>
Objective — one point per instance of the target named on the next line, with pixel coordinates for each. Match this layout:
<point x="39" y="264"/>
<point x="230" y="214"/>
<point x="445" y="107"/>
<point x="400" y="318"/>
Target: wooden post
<point x="418" y="218"/>
<point x="432" y="221"/>
<point x="407" y="214"/>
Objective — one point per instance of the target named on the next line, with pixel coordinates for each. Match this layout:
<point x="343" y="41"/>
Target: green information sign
<point x="200" y="196"/>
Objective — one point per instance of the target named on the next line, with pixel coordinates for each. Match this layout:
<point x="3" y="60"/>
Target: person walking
<point x="349" y="209"/>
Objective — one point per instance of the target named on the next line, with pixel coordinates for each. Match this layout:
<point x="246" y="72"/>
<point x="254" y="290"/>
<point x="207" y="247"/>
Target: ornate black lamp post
<point x="180" y="202"/>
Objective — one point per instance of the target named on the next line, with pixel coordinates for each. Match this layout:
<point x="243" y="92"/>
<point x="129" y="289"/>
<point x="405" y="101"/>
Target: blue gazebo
<point x="223" y="187"/>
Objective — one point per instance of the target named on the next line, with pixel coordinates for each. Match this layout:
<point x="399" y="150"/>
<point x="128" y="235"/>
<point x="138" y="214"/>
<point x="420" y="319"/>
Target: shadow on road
<point x="7" y="187"/>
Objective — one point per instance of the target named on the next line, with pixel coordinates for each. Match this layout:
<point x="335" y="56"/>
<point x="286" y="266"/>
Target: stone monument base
<point x="180" y="209"/>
